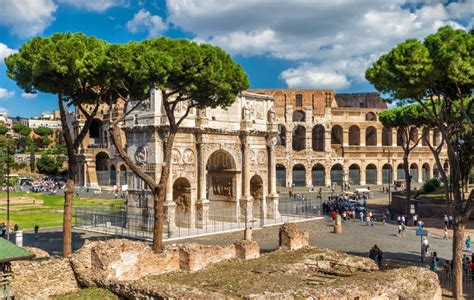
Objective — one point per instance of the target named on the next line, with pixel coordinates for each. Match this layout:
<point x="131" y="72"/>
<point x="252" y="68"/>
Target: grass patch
<point x="88" y="293"/>
<point x="48" y="214"/>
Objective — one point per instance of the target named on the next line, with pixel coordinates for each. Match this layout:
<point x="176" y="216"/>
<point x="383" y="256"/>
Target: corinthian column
<point x="272" y="197"/>
<point x="246" y="200"/>
<point x="170" y="206"/>
<point x="202" y="205"/>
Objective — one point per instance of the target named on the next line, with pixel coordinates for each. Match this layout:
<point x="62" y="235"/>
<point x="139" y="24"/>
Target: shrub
<point x="431" y="185"/>
<point x="21" y="129"/>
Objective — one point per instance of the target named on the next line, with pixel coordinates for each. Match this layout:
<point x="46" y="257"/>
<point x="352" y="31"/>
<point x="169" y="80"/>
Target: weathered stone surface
<point x="339" y="263"/>
<point x="38" y="253"/>
<point x="292" y="237"/>
<point x="98" y="263"/>
<point x="246" y="250"/>
<point x="193" y="257"/>
<point x="39" y="279"/>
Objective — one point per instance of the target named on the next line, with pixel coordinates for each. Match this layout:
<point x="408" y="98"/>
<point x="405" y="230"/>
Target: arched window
<point x="401" y="138"/>
<point x="426" y="172"/>
<point x="436" y="137"/>
<point x="281" y="139"/>
<point x="299" y="138"/>
<point x="426" y="136"/>
<point x="102" y="168"/>
<point x="354" y="135"/>
<point x="299" y="116"/>
<point x="371" y="174"/>
<point x="371" y="136"/>
<point x="414" y="171"/>
<point x="386" y="136"/>
<point x="123" y="175"/>
<point x="370" y="116"/>
<point x="299" y="175"/>
<point x="386" y="174"/>
<point x="318" y="138"/>
<point x="336" y="175"/>
<point x="414" y="134"/>
<point x="354" y="174"/>
<point x="113" y="175"/>
<point x="336" y="135"/>
<point x="318" y="175"/>
<point x="280" y="175"/>
<point x="400" y="172"/>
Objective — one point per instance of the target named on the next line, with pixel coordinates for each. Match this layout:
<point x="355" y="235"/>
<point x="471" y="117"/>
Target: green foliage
<point x="24" y="141"/>
<point x="48" y="165"/>
<point x="405" y="116"/>
<point x="431" y="185"/>
<point x="43" y="131"/>
<point x="21" y="129"/>
<point x="3" y="130"/>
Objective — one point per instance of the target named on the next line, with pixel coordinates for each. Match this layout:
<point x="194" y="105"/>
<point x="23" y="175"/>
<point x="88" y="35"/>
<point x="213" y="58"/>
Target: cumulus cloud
<point x="5" y="51"/>
<point x="4" y="93"/>
<point x="329" y="41"/>
<point x="27" y="18"/>
<point x="28" y="95"/>
<point x="95" y="5"/>
<point x="143" y="20"/>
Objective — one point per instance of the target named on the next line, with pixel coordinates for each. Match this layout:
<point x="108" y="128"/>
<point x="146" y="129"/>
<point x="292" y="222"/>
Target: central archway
<point x="257" y="192"/>
<point x="280" y="175"/>
<point x="354" y="174"/>
<point x="337" y="174"/>
<point x="102" y="168"/>
<point x="222" y="186"/>
<point x="354" y="135"/>
<point x="318" y="175"/>
<point x="426" y="172"/>
<point x="371" y="174"/>
<point x="182" y="199"/>
<point x="386" y="174"/>
<point x="299" y="175"/>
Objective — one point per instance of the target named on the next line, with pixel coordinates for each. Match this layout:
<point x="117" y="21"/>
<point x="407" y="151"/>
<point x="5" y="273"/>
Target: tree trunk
<point x="407" y="184"/>
<point x="68" y="199"/>
<point x="159" y="197"/>
<point x="458" y="238"/>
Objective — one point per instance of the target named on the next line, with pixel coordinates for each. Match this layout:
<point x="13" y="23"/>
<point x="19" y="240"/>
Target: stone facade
<point x="325" y="138"/>
<point x="223" y="163"/>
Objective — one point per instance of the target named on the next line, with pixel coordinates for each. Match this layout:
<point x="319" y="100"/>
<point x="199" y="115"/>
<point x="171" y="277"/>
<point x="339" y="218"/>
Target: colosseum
<point x="327" y="138"/>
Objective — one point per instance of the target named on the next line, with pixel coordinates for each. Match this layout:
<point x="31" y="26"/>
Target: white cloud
<point x="4" y="93"/>
<point x="27" y="18"/>
<point x="28" y="95"/>
<point x="95" y="5"/>
<point x="5" y="51"/>
<point x="330" y="41"/>
<point x="143" y="20"/>
<point x="3" y="110"/>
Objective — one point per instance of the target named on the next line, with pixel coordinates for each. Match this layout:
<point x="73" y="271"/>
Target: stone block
<point x="193" y="257"/>
<point x="246" y="250"/>
<point x="292" y="237"/>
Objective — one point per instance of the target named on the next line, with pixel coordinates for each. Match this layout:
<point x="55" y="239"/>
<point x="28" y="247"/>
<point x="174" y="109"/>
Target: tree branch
<point x="87" y="124"/>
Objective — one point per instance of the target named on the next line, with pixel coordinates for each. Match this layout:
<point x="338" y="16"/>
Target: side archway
<point x="102" y="168"/>
<point x="299" y="175"/>
<point x="371" y="174"/>
<point x="337" y="175"/>
<point x="182" y="199"/>
<point x="354" y="174"/>
<point x="354" y="135"/>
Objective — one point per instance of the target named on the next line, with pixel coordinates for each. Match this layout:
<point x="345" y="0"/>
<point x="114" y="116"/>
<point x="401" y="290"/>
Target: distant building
<point x="35" y="123"/>
<point x="4" y="120"/>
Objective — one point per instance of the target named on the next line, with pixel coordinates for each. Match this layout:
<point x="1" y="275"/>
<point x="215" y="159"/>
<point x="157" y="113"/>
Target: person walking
<point x="450" y="223"/>
<point x="36" y="231"/>
<point x="403" y="229"/>
<point x="468" y="244"/>
<point x="446" y="220"/>
<point x="4" y="230"/>
<point x="361" y="214"/>
<point x="424" y="248"/>
<point x="415" y="219"/>
<point x="445" y="232"/>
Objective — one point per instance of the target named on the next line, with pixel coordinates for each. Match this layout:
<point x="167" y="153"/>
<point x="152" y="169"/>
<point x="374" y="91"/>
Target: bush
<point x="21" y="129"/>
<point x="43" y="131"/>
<point x="3" y="130"/>
<point x="47" y="165"/>
<point x="431" y="185"/>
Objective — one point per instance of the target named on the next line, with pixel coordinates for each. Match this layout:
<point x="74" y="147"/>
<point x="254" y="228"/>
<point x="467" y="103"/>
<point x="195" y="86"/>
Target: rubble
<point x="292" y="237"/>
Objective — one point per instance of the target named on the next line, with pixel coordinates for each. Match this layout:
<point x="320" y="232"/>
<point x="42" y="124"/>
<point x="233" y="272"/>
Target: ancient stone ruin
<point x="296" y="270"/>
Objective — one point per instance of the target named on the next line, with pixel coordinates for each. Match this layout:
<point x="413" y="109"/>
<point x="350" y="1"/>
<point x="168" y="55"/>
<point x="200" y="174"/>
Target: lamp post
<point x="389" y="181"/>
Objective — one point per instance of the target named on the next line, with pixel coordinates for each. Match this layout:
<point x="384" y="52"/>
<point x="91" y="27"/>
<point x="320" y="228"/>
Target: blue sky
<point x="280" y="44"/>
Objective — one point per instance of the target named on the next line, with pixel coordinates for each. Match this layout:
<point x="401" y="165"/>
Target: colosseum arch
<point x="123" y="175"/>
<point x="414" y="134"/>
<point x="182" y="199"/>
<point x="425" y="169"/>
<point x="386" y="136"/>
<point x="414" y="172"/>
<point x="113" y="175"/>
<point x="102" y="168"/>
<point x="280" y="175"/>
<point x="299" y="116"/>
<point x="371" y="174"/>
<point x="336" y="135"/>
<point x="299" y="175"/>
<point x="354" y="135"/>
<point x="337" y="174"/>
<point x="354" y="174"/>
<point x="281" y="139"/>
<point x="436" y="137"/>
<point x="299" y="138"/>
<point x="318" y="174"/>
<point x="400" y="171"/>
<point x="426" y="136"/>
<point x="401" y="138"/>
<point x="318" y="138"/>
<point x="370" y="116"/>
<point x="371" y="136"/>
<point x="387" y="174"/>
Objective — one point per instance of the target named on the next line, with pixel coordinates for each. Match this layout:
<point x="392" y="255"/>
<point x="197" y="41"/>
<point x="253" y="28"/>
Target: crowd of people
<point x="46" y="185"/>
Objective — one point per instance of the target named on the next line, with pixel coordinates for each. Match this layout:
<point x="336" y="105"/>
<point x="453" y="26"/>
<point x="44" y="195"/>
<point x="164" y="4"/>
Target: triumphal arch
<point x="223" y="163"/>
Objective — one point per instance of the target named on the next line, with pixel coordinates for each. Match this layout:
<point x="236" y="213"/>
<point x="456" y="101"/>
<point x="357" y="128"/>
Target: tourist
<point x="361" y="214"/>
<point x="446" y="220"/>
<point x="445" y="232"/>
<point x="399" y="230"/>
<point x="420" y="224"/>
<point x="424" y="248"/>
<point x="415" y="219"/>
<point x="4" y="230"/>
<point x="468" y="244"/>
<point x="36" y="231"/>
<point x="447" y="268"/>
<point x="399" y="219"/>
<point x="450" y="223"/>
<point x="403" y="229"/>
<point x="16" y="228"/>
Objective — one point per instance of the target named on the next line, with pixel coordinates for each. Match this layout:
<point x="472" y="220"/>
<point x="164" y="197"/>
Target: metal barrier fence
<point x="447" y="280"/>
<point x="120" y="222"/>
